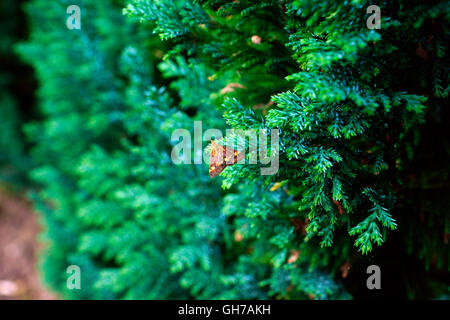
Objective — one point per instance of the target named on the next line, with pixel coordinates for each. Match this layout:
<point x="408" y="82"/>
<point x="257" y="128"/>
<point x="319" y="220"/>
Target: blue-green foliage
<point x="113" y="202"/>
<point x="354" y="108"/>
<point x="351" y="119"/>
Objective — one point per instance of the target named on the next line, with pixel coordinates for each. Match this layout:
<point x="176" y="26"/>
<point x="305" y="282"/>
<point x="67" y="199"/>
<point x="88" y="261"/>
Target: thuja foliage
<point x="112" y="201"/>
<point x="363" y="146"/>
<point x="363" y="127"/>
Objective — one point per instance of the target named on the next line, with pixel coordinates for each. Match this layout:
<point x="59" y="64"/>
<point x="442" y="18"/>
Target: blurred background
<point x="19" y="225"/>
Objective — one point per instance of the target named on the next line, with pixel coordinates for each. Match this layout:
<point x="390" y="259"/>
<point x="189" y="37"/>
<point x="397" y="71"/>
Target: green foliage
<point x="359" y="113"/>
<point x="113" y="202"/>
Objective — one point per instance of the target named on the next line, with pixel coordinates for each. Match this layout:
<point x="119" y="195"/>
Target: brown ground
<point x="19" y="278"/>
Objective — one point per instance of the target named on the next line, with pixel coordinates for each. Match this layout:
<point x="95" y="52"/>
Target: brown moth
<point x="221" y="157"/>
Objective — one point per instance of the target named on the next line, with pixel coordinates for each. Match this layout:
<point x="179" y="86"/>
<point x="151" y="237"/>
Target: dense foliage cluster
<point x="364" y="156"/>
